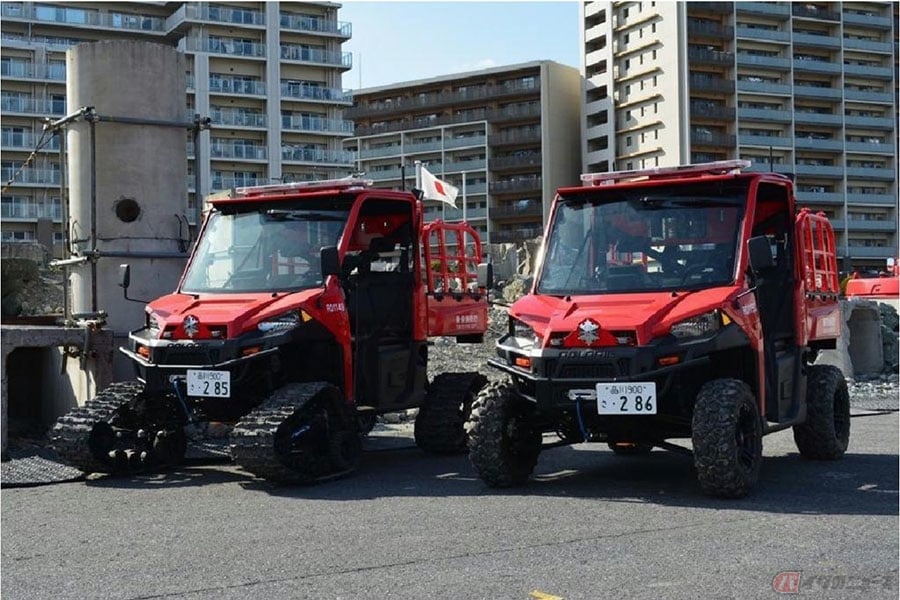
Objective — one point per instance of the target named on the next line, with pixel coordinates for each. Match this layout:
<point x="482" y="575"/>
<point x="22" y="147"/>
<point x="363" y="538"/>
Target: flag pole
<point x="464" y="195"/>
<point x="418" y="164"/>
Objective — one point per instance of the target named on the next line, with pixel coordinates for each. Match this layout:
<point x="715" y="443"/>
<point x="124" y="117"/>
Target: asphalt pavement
<point x="590" y="525"/>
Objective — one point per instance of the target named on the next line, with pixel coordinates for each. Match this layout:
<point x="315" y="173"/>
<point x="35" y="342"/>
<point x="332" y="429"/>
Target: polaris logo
<point x="585" y="354"/>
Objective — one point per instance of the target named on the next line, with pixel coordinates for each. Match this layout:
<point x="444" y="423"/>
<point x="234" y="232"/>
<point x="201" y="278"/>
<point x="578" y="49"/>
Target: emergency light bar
<point x="324" y="184"/>
<point x="719" y="167"/>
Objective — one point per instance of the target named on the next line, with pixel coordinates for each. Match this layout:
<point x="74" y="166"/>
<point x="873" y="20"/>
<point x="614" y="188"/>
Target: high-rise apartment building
<point x="803" y="88"/>
<point x="507" y="137"/>
<point x="268" y="74"/>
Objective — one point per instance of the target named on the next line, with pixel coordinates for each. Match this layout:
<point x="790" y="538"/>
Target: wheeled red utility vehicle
<point x="684" y="302"/>
<point x="303" y="312"/>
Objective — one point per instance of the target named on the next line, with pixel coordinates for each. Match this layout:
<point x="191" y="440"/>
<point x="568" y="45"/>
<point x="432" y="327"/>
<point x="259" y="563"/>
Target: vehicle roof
<point x="304" y="189"/>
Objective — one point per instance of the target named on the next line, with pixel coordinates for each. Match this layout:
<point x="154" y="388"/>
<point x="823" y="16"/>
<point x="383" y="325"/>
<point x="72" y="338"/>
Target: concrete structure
<point x="809" y="87"/>
<point x="512" y="132"/>
<point x="33" y="387"/>
<point x="267" y="74"/>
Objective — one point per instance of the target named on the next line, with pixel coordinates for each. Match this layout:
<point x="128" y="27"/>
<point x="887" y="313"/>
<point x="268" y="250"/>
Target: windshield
<point x="648" y="239"/>
<point x="264" y="250"/>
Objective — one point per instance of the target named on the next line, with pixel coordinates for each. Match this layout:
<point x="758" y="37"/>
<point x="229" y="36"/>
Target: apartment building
<point x="507" y="137"/>
<point x="807" y="88"/>
<point x="268" y="75"/>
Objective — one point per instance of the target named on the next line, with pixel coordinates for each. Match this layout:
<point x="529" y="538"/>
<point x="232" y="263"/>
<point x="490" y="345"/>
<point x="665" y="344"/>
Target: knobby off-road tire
<point x="110" y="422"/>
<point x="727" y="438"/>
<point x="297" y="435"/>
<point x="440" y="424"/>
<point x="826" y="432"/>
<point x="504" y="442"/>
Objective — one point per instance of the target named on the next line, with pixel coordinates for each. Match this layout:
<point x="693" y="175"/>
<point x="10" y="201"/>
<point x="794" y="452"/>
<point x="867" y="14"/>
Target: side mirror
<point x="124" y="277"/>
<point x="331" y="262"/>
<point x="760" y="254"/>
<point x="485" y="273"/>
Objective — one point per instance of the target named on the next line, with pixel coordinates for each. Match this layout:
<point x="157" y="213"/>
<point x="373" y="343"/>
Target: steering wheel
<point x="689" y="271"/>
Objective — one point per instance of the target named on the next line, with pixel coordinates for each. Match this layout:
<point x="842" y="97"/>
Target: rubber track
<point x="70" y="435"/>
<point x="252" y="441"/>
<point x="439" y="427"/>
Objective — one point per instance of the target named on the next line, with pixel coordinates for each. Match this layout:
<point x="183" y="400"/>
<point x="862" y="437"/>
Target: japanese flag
<point x="435" y="189"/>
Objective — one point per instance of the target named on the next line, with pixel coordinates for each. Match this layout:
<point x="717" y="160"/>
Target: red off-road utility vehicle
<point x="303" y="312"/>
<point x="684" y="302"/>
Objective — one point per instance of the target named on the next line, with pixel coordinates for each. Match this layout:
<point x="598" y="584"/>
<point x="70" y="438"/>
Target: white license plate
<point x="216" y="384"/>
<point x="627" y="398"/>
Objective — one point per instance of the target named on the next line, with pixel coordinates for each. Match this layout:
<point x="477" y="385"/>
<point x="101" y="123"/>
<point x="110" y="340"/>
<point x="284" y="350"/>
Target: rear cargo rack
<point x="720" y="167"/>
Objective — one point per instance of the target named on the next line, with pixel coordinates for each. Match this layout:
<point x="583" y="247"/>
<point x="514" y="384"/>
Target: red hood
<point x="234" y="312"/>
<point x="647" y="315"/>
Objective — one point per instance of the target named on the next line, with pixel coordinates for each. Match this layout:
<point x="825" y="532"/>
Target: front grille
<point x="586" y="371"/>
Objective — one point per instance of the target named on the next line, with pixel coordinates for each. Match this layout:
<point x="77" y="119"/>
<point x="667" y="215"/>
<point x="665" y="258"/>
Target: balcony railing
<point x="224" y="85"/>
<point x="222" y="14"/>
<point x="316" y="25"/>
<point x="514" y="235"/>
<point x="317" y="125"/>
<point x="81" y="17"/>
<point x="317" y="155"/>
<point x="244" y="151"/>
<point x="236" y="118"/>
<point x="227" y="46"/>
<point x="316" y="55"/>
<point x="31" y="211"/>
<point x="32" y="106"/>
<point x="310" y="92"/>
<point x="27" y="141"/>
<point x="711" y="111"/>
<point x="712" y="138"/>
<point x="32" y="71"/>
<point x="30" y="176"/>
<point x="480" y="93"/>
<point x="516" y="185"/>
<point x="226" y="183"/>
<point x="531" y="159"/>
<point x="714" y="57"/>
<point x="714" y="84"/>
<point x="814" y="12"/>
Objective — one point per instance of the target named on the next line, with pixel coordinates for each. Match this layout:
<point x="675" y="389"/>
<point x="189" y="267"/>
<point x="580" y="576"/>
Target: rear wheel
<point x="440" y="424"/>
<point x="826" y="432"/>
<point x="504" y="441"/>
<point x="727" y="438"/>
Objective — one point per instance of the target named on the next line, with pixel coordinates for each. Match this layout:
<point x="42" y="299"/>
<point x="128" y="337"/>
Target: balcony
<point x="768" y="35"/>
<point x="709" y="30"/>
<point x="816" y="66"/>
<point x="869" y="122"/>
<point x="820" y="197"/>
<point x="776" y="141"/>
<point x="814" y="118"/>
<point x="867" y="45"/>
<point x="769" y="62"/>
<point x="224" y="46"/>
<point x="316" y="56"/>
<point x="886" y="251"/>
<point x="38" y="177"/>
<point x="879" y="173"/>
<point x="765" y="115"/>
<point x="465" y="142"/>
<point x="774" y="9"/>
<point x="224" y="182"/>
<point x="814" y="143"/>
<point x="712" y="84"/>
<point x="710" y="57"/>
<point x="31" y="212"/>
<point x="700" y="137"/>
<point x="27" y="141"/>
<point x="869" y="71"/>
<point x="528" y="159"/>
<point x="30" y="71"/>
<point x="519" y="184"/>
<point x="300" y="91"/>
<point x="81" y="17"/>
<point x="819" y="93"/>
<point x="317" y="125"/>
<point x="868" y="95"/>
<point x="718" y="8"/>
<point x="32" y="106"/>
<point x="817" y="41"/>
<point x="868" y="225"/>
<point x="318" y="25"/>
<point x="867" y="19"/>
<point x="380" y="152"/>
<point x="317" y="156"/>
<point x="225" y="85"/>
<point x="825" y="171"/>
<point x="478" y="164"/>
<point x="764" y="87"/>
<point x="238" y="151"/>
<point x="239" y="118"/>
<point x="704" y="110"/>
<point x="814" y="12"/>
<point x="506" y="236"/>
<point x="869" y="147"/>
<point x="523" y="208"/>
<point x="516" y="137"/>
<point x="872" y="199"/>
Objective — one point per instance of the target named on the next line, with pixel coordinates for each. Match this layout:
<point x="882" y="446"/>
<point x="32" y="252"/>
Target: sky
<point x="395" y="42"/>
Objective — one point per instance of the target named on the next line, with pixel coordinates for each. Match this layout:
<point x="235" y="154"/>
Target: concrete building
<point x="508" y="135"/>
<point x="267" y="74"/>
<point x="810" y="88"/>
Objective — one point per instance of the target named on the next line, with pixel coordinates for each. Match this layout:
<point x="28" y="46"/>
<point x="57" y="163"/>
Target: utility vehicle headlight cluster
<point x="153" y="323"/>
<point x="523" y="332"/>
<point x="281" y="322"/>
<point x="699" y="326"/>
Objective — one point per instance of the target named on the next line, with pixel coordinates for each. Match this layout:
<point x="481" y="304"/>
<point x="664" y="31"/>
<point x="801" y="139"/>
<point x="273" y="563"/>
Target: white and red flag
<point x="436" y="189"/>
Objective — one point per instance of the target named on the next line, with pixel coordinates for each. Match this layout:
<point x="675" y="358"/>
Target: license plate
<point x="216" y="384"/>
<point x="627" y="398"/>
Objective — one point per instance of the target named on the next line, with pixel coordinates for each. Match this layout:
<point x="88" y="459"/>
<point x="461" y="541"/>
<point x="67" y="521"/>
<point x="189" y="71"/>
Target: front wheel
<point x="727" y="438"/>
<point x="826" y="432"/>
<point x="504" y="442"/>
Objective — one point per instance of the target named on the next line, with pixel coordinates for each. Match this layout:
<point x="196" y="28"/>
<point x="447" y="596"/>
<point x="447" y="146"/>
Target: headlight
<point x="523" y="332"/>
<point x="281" y="322"/>
<point x="153" y="323"/>
<point x="699" y="326"/>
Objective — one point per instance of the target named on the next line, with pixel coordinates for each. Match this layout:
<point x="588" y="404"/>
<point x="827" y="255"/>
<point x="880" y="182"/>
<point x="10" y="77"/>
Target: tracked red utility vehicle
<point x="303" y="312"/>
<point x="684" y="302"/>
